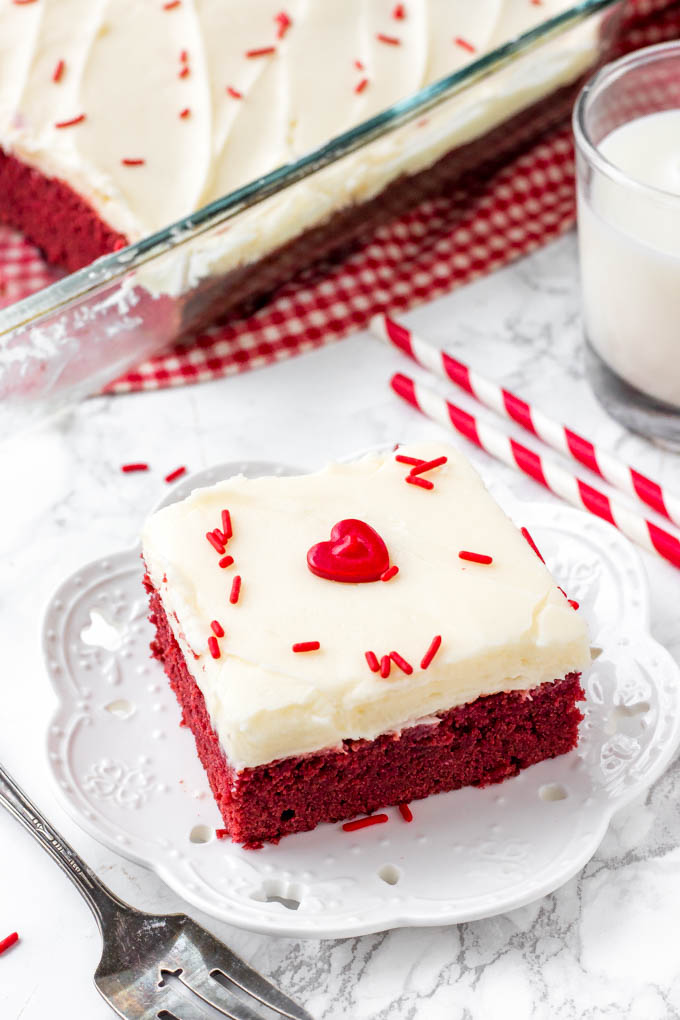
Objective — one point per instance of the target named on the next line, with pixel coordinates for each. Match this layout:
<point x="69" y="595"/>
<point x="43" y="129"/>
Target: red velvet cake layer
<point x="473" y="745"/>
<point x="53" y="216"/>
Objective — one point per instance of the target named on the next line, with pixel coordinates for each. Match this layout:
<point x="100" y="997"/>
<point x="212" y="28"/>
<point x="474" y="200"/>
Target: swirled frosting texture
<point x="504" y="626"/>
<point x="133" y="68"/>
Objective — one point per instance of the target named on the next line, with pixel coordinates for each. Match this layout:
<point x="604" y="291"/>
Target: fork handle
<point x="104" y="904"/>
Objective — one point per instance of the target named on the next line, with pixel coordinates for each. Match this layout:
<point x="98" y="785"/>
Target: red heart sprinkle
<point x="355" y="554"/>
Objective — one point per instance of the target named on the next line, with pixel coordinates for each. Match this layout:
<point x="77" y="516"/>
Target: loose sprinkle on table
<point x="428" y="465"/>
<point x="70" y="123"/>
<point x="385" y="666"/>
<point x="283" y="22"/>
<point x="424" y="483"/>
<point x="399" y="12"/>
<point x="177" y="473"/>
<point x="401" y="662"/>
<point x="359" y="66"/>
<point x="405" y="812"/>
<point x="531" y="542"/>
<point x="59" y="71"/>
<point x="185" y="72"/>
<point x="133" y="162"/>
<point x="360" y="86"/>
<point x="235" y="590"/>
<point x="372" y="660"/>
<point x="234" y="93"/>
<point x="464" y="44"/>
<point x="186" y="112"/>
<point x="391" y="40"/>
<point x="263" y="51"/>
<point x="363" y="823"/>
<point x="474" y="557"/>
<point x="217" y="628"/>
<point x="431" y="652"/>
<point x="226" y="561"/>
<point x="213" y="647"/>
<point x="7" y="943"/>
<point x="390" y="573"/>
<point x="216" y="542"/>
<point x="128" y="468"/>
<point x="170" y="6"/>
<point x="184" y="56"/>
<point x="306" y="646"/>
<point x="22" y="3"/>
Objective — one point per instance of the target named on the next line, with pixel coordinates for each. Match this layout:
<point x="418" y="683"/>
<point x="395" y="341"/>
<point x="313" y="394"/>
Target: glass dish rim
<point x="584" y="143"/>
<point x="74" y="287"/>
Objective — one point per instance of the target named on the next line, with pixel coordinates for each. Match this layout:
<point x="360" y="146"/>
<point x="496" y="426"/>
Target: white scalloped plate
<point x="129" y="774"/>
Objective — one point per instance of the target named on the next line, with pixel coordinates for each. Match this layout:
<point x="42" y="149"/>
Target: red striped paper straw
<point x="548" y="472"/>
<point x="507" y="404"/>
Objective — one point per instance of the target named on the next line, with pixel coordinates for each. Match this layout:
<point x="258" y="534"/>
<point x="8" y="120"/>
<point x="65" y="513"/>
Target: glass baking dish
<point x="71" y="338"/>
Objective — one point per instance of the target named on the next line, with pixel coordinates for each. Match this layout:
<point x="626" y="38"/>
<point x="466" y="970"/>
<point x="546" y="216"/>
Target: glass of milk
<point x="627" y="129"/>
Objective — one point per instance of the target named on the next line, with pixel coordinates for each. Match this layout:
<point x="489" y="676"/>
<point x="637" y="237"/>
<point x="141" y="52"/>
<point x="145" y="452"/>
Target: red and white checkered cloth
<point x="420" y="256"/>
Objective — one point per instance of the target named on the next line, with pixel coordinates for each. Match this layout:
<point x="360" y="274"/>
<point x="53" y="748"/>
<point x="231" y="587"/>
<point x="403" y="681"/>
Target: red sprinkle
<point x="360" y="86"/>
<point x="573" y="603"/>
<point x="217" y="628"/>
<point x="424" y="483"/>
<point x="363" y="823"/>
<point x="464" y="44"/>
<point x="234" y="93"/>
<point x="170" y="6"/>
<point x="405" y="812"/>
<point x="415" y="461"/>
<point x="186" y="112"/>
<point x="359" y="66"/>
<point x="58" y="71"/>
<point x="428" y="465"/>
<point x="184" y="56"/>
<point x="185" y="72"/>
<point x="235" y="590"/>
<point x="474" y="557"/>
<point x="385" y="666"/>
<point x="214" y="647"/>
<point x="6" y="944"/>
<point x="221" y="833"/>
<point x="391" y="40"/>
<point x="226" y="525"/>
<point x="372" y="660"/>
<point x="22" y="3"/>
<point x="226" y="561"/>
<point x="263" y="51"/>
<point x="306" y="646"/>
<point x="532" y="543"/>
<point x="133" y="162"/>
<point x="401" y="662"/>
<point x="69" y="123"/>
<point x="215" y="541"/>
<point x="284" y="23"/>
<point x="177" y="473"/>
<point x="390" y="573"/>
<point x="431" y="652"/>
<point x="127" y="468"/>
<point x="399" y="13"/>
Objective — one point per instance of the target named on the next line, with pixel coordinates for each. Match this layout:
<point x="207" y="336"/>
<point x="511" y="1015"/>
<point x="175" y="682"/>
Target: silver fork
<point x="155" y="965"/>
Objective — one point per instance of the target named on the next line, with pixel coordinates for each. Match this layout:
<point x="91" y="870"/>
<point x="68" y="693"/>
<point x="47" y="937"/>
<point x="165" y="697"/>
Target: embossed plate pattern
<point x="129" y="774"/>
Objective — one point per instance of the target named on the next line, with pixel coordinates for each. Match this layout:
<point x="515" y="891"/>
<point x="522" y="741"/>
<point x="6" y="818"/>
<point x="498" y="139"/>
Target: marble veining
<point x="602" y="946"/>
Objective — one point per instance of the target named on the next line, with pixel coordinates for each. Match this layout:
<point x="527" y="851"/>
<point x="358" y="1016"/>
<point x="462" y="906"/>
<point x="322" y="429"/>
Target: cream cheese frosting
<point x="185" y="88"/>
<point x="504" y="626"/>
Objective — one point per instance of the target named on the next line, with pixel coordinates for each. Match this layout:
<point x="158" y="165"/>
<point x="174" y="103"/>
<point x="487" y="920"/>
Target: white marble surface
<point x="604" y="945"/>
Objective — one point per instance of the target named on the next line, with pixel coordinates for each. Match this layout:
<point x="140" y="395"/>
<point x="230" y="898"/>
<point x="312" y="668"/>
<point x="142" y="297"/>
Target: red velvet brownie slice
<point x="370" y="634"/>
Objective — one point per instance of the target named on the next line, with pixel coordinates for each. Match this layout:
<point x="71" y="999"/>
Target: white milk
<point x="629" y="241"/>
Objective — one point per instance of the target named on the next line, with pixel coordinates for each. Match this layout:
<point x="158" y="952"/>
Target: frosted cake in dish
<point x="360" y="637"/>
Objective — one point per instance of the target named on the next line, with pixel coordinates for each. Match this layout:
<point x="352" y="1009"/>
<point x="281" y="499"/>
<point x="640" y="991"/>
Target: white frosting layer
<point x="504" y="626"/>
<point x="122" y="64"/>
